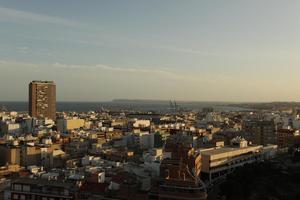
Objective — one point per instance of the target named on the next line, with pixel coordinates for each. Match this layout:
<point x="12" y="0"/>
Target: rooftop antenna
<point x="171" y="105"/>
<point x="175" y="106"/>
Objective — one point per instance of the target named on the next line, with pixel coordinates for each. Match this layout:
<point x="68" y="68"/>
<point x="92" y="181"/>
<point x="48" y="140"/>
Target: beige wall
<point x="64" y="125"/>
<point x="216" y="157"/>
<point x="10" y="155"/>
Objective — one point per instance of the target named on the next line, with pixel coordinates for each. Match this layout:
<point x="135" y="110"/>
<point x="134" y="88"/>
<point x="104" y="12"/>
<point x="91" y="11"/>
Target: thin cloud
<point x="23" y="49"/>
<point x="8" y="14"/>
<point x="166" y="74"/>
<point x="114" y="41"/>
<point x="118" y="69"/>
<point x="10" y="63"/>
<point x="110" y="42"/>
<point x="148" y="71"/>
<point x="188" y="51"/>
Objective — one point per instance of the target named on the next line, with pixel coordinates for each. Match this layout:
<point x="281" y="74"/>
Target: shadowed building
<point x="26" y="188"/>
<point x="10" y="154"/>
<point x="219" y="162"/>
<point x="262" y="132"/>
<point x="287" y="138"/>
<point x="179" y="175"/>
<point x="42" y="99"/>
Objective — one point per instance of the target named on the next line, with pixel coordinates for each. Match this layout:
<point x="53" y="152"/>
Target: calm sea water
<point x="126" y="105"/>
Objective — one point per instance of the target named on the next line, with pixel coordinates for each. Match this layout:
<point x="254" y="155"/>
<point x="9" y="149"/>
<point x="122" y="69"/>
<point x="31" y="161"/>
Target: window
<point x="26" y="188"/>
<point x="15" y="196"/>
<point x="66" y="192"/>
<point x="17" y="187"/>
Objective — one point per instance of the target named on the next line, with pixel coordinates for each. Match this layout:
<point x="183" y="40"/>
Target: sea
<point x="134" y="105"/>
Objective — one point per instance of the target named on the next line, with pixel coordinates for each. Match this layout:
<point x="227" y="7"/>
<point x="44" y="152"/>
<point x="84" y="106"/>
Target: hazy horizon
<point x="160" y="100"/>
<point x="203" y="51"/>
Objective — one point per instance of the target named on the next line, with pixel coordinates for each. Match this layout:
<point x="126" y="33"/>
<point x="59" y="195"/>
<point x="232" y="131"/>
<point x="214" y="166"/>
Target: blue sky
<point x="100" y="50"/>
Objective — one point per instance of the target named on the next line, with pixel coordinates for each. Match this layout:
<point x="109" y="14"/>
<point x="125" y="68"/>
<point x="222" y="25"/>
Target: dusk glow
<point x="138" y="49"/>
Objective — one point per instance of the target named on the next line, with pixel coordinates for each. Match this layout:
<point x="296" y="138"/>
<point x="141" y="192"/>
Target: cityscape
<point x="192" y="100"/>
<point x="175" y="153"/>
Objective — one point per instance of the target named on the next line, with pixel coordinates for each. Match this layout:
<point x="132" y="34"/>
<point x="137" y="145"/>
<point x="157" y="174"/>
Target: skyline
<point x="197" y="51"/>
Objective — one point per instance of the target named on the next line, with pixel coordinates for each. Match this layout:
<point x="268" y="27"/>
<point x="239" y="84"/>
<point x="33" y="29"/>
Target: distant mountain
<point x="167" y="101"/>
<point x="143" y="101"/>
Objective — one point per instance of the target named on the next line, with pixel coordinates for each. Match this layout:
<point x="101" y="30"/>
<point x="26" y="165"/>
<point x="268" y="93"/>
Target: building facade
<point x="220" y="161"/>
<point x="261" y="132"/>
<point x="287" y="138"/>
<point x="42" y="99"/>
<point x="25" y="188"/>
<point x="64" y="125"/>
<point x="179" y="175"/>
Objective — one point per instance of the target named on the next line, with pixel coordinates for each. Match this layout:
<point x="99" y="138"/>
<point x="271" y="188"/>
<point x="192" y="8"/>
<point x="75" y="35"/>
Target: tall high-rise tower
<point x="42" y="99"/>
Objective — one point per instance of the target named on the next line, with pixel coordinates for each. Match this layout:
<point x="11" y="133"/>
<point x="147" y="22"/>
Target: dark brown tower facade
<point x="42" y="99"/>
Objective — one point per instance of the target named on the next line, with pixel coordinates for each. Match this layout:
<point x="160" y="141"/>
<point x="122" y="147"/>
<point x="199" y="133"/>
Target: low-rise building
<point x="287" y="138"/>
<point x="10" y="154"/>
<point x="64" y="125"/>
<point x="26" y="188"/>
<point x="220" y="161"/>
<point x="10" y="127"/>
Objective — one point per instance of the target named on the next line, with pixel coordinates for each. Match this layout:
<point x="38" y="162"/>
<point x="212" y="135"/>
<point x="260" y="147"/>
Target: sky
<point x="197" y="50"/>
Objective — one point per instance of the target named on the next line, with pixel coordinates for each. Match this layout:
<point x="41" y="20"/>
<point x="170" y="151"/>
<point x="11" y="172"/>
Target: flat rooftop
<point x="229" y="150"/>
<point x="42" y="82"/>
<point x="44" y="182"/>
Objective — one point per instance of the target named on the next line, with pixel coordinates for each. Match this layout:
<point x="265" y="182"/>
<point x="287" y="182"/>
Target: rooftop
<point x="42" y="82"/>
<point x="226" y="150"/>
<point x="44" y="182"/>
